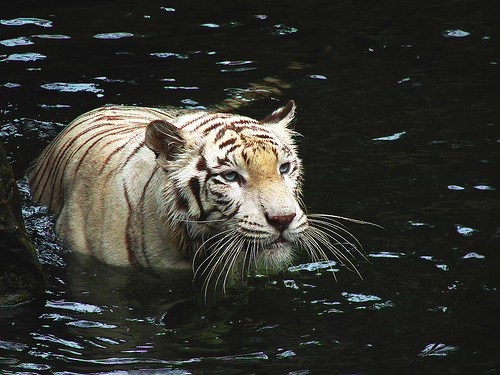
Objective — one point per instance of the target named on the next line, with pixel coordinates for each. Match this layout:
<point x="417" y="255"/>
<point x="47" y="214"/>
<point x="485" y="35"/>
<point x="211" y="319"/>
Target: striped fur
<point x="151" y="188"/>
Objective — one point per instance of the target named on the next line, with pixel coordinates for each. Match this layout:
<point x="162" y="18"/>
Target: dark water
<point x="399" y="108"/>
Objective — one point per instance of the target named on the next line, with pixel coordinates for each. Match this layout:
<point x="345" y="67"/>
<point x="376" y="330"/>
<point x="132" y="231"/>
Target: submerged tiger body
<point x="151" y="188"/>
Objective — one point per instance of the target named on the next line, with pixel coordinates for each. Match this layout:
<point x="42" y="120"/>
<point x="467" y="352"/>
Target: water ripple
<point x="28" y="56"/>
<point x="117" y="35"/>
<point x="54" y="339"/>
<point x="74" y="306"/>
<point x="26" y="21"/>
<point x="72" y="87"/>
<point x="21" y="41"/>
<point x="439" y="350"/>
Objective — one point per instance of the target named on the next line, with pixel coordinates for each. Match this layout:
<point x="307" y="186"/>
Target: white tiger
<point x="151" y="188"/>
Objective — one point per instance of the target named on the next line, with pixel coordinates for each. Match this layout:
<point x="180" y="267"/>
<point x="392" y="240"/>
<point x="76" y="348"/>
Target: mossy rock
<point x="21" y="275"/>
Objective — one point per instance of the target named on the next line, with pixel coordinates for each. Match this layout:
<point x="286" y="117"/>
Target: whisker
<point x="317" y="247"/>
<point x="233" y="257"/>
<point x="323" y="238"/>
<point x="310" y="244"/>
<point x="209" y="264"/>
<point x="199" y="221"/>
<point x="226" y="233"/>
<point x="216" y="262"/>
<point x="255" y="251"/>
<point x="330" y="230"/>
<point x="314" y="245"/>
<point x="328" y="216"/>
<point x="247" y="251"/>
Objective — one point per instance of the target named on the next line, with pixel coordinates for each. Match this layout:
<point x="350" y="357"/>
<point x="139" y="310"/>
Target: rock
<point x="21" y="275"/>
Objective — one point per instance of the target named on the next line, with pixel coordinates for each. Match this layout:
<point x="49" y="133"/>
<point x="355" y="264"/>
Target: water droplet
<point x="22" y="41"/>
<point x="358" y="297"/>
<point x="456" y="33"/>
<point x="464" y="231"/>
<point x="455" y="187"/>
<point x="484" y="187"/>
<point x="386" y="254"/>
<point x="29" y="56"/>
<point x="164" y="55"/>
<point x="113" y="35"/>
<point x="51" y="36"/>
<point x="210" y="25"/>
<point x="390" y="137"/>
<point x="473" y="255"/>
<point x="440" y="350"/>
<point x="11" y="85"/>
<point x="285" y="354"/>
<point x="281" y="29"/>
<point x="27" y="21"/>
<point x="72" y="87"/>
<point x="317" y="76"/>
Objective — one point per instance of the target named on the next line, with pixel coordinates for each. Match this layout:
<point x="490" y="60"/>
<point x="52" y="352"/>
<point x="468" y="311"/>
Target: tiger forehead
<point x="246" y="134"/>
<point x="259" y="161"/>
<point x="246" y="145"/>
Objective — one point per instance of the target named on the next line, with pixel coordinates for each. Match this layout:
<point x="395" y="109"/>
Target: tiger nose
<point x="280" y="222"/>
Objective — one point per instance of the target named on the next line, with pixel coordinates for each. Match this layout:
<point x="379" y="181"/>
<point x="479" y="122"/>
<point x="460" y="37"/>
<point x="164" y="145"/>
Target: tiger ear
<point x="165" y="140"/>
<point x="282" y="116"/>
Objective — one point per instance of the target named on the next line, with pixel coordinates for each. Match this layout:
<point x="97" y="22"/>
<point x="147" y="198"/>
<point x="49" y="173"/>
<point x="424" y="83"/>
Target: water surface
<point x="398" y="108"/>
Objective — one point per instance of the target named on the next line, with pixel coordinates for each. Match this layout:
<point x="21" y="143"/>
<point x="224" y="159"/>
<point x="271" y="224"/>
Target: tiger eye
<point x="284" y="168"/>
<point x="230" y="176"/>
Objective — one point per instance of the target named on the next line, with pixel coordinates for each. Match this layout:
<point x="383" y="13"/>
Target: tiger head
<point x="232" y="192"/>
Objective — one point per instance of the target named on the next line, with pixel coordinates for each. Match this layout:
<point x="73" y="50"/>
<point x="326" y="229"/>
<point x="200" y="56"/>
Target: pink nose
<point x="280" y="222"/>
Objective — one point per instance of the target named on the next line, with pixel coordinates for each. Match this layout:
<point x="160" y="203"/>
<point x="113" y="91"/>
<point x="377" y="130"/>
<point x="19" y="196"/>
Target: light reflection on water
<point x="397" y="109"/>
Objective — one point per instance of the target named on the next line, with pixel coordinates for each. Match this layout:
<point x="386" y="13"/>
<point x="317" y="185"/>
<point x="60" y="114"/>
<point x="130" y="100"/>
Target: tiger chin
<point x="213" y="192"/>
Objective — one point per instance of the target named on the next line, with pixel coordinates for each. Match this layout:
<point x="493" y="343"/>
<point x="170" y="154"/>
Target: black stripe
<point x="201" y="164"/>
<point x="222" y="201"/>
<point x="245" y="121"/>
<point x="214" y="181"/>
<point x="211" y="128"/>
<point x="265" y="136"/>
<point x="57" y="170"/>
<point x="220" y="134"/>
<point x="232" y="148"/>
<point x="54" y="166"/>
<point x="135" y="151"/>
<point x="252" y="231"/>
<point x="181" y="202"/>
<point x="146" y="186"/>
<point x="235" y="211"/>
<point x="203" y="114"/>
<point x="217" y="193"/>
<point x="132" y="259"/>
<point x="141" y="205"/>
<point x="134" y="232"/>
<point x="224" y="161"/>
<point x="230" y="141"/>
<point x="194" y="185"/>
<point x="96" y="140"/>
<point x="115" y="151"/>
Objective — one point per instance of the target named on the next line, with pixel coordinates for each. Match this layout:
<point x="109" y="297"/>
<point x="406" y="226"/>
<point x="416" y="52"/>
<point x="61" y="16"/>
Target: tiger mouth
<point x="280" y="239"/>
<point x="277" y="244"/>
